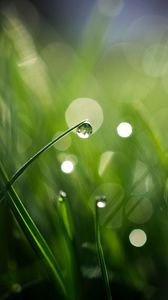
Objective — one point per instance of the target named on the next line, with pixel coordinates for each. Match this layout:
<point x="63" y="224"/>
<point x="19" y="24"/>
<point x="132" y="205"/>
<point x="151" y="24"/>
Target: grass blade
<point x="101" y="255"/>
<point x="65" y="215"/>
<point x="34" y="157"/>
<point x="33" y="234"/>
<point x="67" y="224"/>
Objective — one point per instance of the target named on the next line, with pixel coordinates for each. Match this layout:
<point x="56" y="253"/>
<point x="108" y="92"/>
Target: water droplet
<point x="84" y="130"/>
<point x="62" y="196"/>
<point x="101" y="201"/>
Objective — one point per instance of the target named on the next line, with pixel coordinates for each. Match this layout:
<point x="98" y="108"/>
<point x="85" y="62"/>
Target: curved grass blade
<point x="101" y="255"/>
<point x="33" y="234"/>
<point x="34" y="157"/>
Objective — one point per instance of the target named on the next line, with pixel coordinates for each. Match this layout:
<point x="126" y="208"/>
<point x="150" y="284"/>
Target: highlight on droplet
<point x="138" y="237"/>
<point x="67" y="166"/>
<point x="101" y="204"/>
<point x="124" y="129"/>
<point x="62" y="196"/>
<point x="101" y="201"/>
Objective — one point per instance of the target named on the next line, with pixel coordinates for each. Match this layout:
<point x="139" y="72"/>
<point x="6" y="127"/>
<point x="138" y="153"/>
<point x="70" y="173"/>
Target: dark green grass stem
<point x="20" y="171"/>
<point x="101" y="258"/>
<point x="66" y="215"/>
<point x="67" y="225"/>
<point x="33" y="235"/>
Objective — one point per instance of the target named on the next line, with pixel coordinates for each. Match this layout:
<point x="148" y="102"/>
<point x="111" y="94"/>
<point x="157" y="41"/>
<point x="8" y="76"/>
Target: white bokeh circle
<point x="84" y="108"/>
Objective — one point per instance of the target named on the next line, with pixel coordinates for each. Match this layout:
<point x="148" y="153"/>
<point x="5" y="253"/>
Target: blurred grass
<point x="36" y="87"/>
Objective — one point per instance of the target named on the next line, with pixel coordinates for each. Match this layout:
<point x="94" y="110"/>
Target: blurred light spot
<point x="32" y="70"/>
<point x="105" y="74"/>
<point x="60" y="58"/>
<point x="140" y="171"/>
<point x="89" y="246"/>
<point x="64" y="156"/>
<point x="64" y="143"/>
<point x="84" y="108"/>
<point x="137" y="237"/>
<point x="12" y="265"/>
<point x="139" y="209"/>
<point x="110" y="7"/>
<point x="27" y="62"/>
<point x="104" y="161"/>
<point x="155" y="60"/>
<point x="16" y="288"/>
<point x="84" y="130"/>
<point x="124" y="129"/>
<point x="67" y="166"/>
<point x="28" y="11"/>
<point x="149" y="185"/>
<point x="91" y="272"/>
<point x="141" y="34"/>
<point x="16" y="233"/>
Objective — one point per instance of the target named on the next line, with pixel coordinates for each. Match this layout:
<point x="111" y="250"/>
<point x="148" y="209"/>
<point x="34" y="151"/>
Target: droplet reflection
<point x="84" y="130"/>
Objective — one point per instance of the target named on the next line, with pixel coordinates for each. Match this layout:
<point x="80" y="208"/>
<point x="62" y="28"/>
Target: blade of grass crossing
<point x="33" y="234"/>
<point x="19" y="172"/>
<point x="101" y="258"/>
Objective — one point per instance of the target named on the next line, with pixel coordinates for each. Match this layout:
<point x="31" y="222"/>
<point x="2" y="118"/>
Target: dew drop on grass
<point x="62" y="196"/>
<point x="84" y="130"/>
<point x="101" y="201"/>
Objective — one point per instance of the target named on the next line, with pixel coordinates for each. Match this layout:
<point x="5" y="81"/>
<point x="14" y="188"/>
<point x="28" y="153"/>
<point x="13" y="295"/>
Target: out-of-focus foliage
<point x="128" y="80"/>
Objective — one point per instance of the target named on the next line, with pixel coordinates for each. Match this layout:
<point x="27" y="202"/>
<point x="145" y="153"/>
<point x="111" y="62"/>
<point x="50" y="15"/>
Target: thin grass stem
<point x="101" y="258"/>
<point x="33" y="235"/>
<point x="66" y="221"/>
<point x="20" y="171"/>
